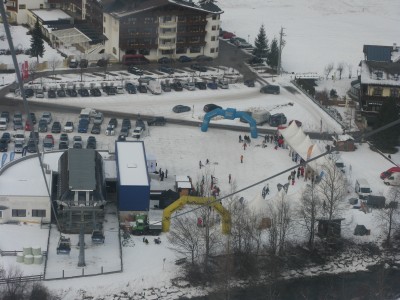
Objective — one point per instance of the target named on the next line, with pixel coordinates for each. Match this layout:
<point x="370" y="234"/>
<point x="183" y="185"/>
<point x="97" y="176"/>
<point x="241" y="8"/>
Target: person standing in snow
<point x="229" y="177"/>
<point x="244" y="146"/>
<point x="200" y="164"/>
<point x="166" y="173"/>
<point x="241" y="158"/>
<point x="240" y="138"/>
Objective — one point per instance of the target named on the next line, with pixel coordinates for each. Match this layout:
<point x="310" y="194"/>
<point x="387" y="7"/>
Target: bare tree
<point x="185" y="237"/>
<point x="389" y="216"/>
<point x="13" y="289"/>
<point x="280" y="214"/>
<point x="350" y="68"/>
<point x="40" y="292"/>
<point x="309" y="209"/>
<point x="340" y="68"/>
<point x="332" y="188"/>
<point x="33" y="69"/>
<point x="328" y="69"/>
<point x="54" y="63"/>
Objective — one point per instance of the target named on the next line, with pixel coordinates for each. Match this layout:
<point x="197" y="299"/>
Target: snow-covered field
<point x="318" y="32"/>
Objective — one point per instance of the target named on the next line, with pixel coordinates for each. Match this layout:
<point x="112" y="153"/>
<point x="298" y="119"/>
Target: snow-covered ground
<point x="317" y="33"/>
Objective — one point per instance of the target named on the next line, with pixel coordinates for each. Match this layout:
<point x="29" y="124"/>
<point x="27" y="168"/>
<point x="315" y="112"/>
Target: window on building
<point x="41" y="213"/>
<point x="144" y="51"/>
<point x="104" y="30"/>
<point x="194" y="39"/>
<point x="18" y="212"/>
<point x="212" y="50"/>
<point x="22" y="6"/>
<point x="214" y="17"/>
<point x="166" y="52"/>
<point x="167" y="19"/>
<point x="214" y="27"/>
<point x="148" y="20"/>
<point x="181" y="28"/>
<point x="1" y="214"/>
<point x="41" y="6"/>
<point x="377" y="91"/>
<point x="132" y="20"/>
<point x="196" y="49"/>
<point x="394" y="92"/>
<point x="53" y="5"/>
<point x="104" y="19"/>
<point x="180" y="50"/>
<point x="216" y="49"/>
<point x="114" y="50"/>
<point x="213" y="38"/>
<point x="181" y="18"/>
<point x="180" y="39"/>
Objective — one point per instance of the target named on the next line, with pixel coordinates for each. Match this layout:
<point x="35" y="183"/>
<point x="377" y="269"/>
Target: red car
<point x="28" y="126"/>
<point x="50" y="136"/>
<point x="226" y="35"/>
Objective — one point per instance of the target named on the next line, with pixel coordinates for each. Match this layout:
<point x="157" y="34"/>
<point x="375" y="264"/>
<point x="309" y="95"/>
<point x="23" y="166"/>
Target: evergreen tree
<point x="261" y="44"/>
<point x="387" y="139"/>
<point x="273" y="55"/>
<point x="37" y="45"/>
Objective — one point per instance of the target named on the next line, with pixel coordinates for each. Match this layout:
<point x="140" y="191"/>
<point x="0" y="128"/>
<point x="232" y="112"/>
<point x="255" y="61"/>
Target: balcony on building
<point x="166" y="46"/>
<point x="167" y="22"/>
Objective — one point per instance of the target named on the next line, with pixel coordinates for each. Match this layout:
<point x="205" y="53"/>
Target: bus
<point x="134" y="59"/>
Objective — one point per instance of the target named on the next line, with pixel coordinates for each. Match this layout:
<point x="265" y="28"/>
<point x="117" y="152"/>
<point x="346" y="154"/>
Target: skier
<point x="200" y="164"/>
<point x="241" y="158"/>
<point x="166" y="173"/>
<point x="229" y="177"/>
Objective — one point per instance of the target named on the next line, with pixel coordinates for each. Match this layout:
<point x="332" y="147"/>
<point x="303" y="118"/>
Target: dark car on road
<point x="198" y="67"/>
<point x="95" y="92"/>
<point x="180" y="108"/>
<point x="42" y="125"/>
<point x="18" y="125"/>
<point x="270" y="89"/>
<point x="56" y="128"/>
<point x="210" y="107"/>
<point x="184" y="58"/>
<point x="83" y="92"/>
<point x="96" y="129"/>
<point x="212" y="85"/>
<point x="29" y="93"/>
<point x="142" y="88"/>
<point x="83" y="125"/>
<point x="91" y="143"/>
<point x="277" y="119"/>
<point x="203" y="58"/>
<point x="157" y="121"/>
<point x="31" y="146"/>
<point x="3" y="145"/>
<point x="126" y="123"/>
<point x="62" y="145"/>
<point x="113" y="122"/>
<point x="130" y="88"/>
<point x="166" y="87"/>
<point x="6" y="136"/>
<point x="83" y="63"/>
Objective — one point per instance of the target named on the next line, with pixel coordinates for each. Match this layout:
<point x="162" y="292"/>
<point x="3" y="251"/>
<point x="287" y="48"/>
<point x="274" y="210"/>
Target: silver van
<point x="362" y="188"/>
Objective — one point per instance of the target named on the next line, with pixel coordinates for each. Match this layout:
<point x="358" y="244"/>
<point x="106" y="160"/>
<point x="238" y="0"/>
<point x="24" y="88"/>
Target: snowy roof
<point x="380" y="73"/>
<point x="184" y="185"/>
<point x="71" y="36"/>
<point x="181" y="178"/>
<point x="110" y="169"/>
<point x="24" y="177"/>
<point x="127" y="10"/>
<point x="51" y="14"/>
<point x="131" y="164"/>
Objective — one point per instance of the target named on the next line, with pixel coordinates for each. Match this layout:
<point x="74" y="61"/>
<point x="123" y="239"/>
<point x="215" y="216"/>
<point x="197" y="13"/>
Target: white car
<point x="69" y="126"/>
<point x="19" y="137"/>
<point x="110" y="130"/>
<point x="137" y="132"/>
<point x="190" y="86"/>
<point x="18" y="147"/>
<point x="47" y="116"/>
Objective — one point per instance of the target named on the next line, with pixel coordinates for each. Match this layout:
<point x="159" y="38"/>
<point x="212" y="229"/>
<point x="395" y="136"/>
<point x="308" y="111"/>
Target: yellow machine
<point x="182" y="201"/>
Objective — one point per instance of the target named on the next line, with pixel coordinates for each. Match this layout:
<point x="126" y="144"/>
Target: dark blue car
<point x="83" y="126"/>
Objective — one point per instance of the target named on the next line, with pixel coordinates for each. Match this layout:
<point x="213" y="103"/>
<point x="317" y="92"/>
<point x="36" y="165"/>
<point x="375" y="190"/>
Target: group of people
<point x="163" y="175"/>
<point x="299" y="172"/>
<point x="201" y="164"/>
<point x="246" y="139"/>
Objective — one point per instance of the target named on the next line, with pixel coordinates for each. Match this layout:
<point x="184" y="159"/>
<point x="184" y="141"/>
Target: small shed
<point x="183" y="185"/>
<point x="330" y="228"/>
<point x="151" y="163"/>
<point x="376" y="201"/>
<point x="361" y="230"/>
<point x="344" y="142"/>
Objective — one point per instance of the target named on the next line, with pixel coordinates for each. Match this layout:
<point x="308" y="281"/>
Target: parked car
<point x="223" y="84"/>
<point x="113" y="122"/>
<point x="201" y="85"/>
<point x="17" y="117"/>
<point x="142" y="88"/>
<point x="134" y="70"/>
<point x="180" y="108"/>
<point x="210" y="107"/>
<point x="33" y="118"/>
<point x="64" y="138"/>
<point x="98" y="119"/>
<point x="51" y="94"/>
<point x="48" y="144"/>
<point x="202" y="58"/>
<point x="145" y="79"/>
<point x="3" y="145"/>
<point x="212" y="85"/>
<point x="111" y="90"/>
<point x="62" y="145"/>
<point x="277" y="119"/>
<point x="95" y="92"/>
<point x="249" y="83"/>
<point x="83" y="63"/>
<point x="198" y="67"/>
<point x="177" y="86"/>
<point x="190" y="86"/>
<point x="110" y="130"/>
<point x="124" y="131"/>
<point x="18" y="147"/>
<point x="31" y="146"/>
<point x="83" y="92"/>
<point x="166" y="69"/>
<point x="91" y="143"/>
<point x="73" y="63"/>
<point x="165" y="87"/>
<point x="18" y="125"/>
<point x="96" y="129"/>
<point x="130" y="88"/>
<point x="42" y="125"/>
<point x="56" y="128"/>
<point x="83" y="125"/>
<point x="19" y="137"/>
<point x="29" y="92"/>
<point x="6" y="136"/>
<point x="241" y="43"/>
<point x="270" y="89"/>
<point x="72" y="93"/>
<point x="165" y="60"/>
<point x="184" y="59"/>
<point x="47" y="116"/>
<point x="77" y="140"/>
<point x="137" y="132"/>
<point x="69" y="126"/>
<point x="5" y="115"/>
<point x="157" y="121"/>
<point x="126" y="123"/>
<point x="102" y="62"/>
<point x="39" y="93"/>
<point x="61" y="93"/>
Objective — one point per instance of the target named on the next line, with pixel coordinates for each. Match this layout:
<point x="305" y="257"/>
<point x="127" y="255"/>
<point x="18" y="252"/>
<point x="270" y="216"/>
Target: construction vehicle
<point x="149" y="224"/>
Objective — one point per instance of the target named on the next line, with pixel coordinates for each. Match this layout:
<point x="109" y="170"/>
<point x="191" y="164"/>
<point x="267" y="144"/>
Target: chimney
<point x="395" y="48"/>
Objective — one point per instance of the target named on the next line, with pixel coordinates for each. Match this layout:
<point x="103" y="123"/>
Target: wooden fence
<point x="21" y="279"/>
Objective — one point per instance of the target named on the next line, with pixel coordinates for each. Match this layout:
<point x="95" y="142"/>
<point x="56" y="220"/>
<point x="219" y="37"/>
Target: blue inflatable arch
<point x="230" y="114"/>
